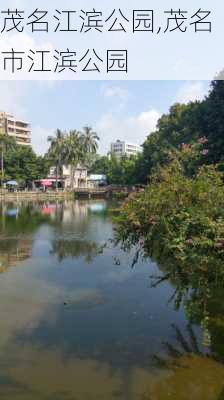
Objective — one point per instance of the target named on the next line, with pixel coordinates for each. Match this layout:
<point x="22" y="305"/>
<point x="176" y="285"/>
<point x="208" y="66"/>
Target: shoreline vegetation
<point x="178" y="220"/>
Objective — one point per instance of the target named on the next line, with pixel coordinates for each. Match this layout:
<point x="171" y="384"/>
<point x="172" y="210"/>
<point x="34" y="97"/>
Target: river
<point x="79" y="323"/>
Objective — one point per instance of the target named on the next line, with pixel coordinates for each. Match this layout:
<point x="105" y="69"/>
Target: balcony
<point x="23" y="143"/>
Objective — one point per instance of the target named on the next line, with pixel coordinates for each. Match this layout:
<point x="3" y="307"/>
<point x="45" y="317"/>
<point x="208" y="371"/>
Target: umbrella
<point x="12" y="183"/>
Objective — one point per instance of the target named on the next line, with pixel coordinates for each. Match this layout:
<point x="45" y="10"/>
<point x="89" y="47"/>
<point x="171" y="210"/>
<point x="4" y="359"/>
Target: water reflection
<point x="17" y="224"/>
<point x="200" y="292"/>
<point x="71" y="316"/>
<point x="65" y="248"/>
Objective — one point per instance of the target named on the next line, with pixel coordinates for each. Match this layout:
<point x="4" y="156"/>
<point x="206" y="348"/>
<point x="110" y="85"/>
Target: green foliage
<point x="89" y="145"/>
<point x="186" y="124"/>
<point x="57" y="151"/>
<point x="7" y="143"/>
<point x="213" y="121"/>
<point x="179" y="221"/>
<point x="119" y="171"/>
<point x="23" y="165"/>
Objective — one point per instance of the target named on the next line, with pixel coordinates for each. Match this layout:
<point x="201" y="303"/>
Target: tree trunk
<point x="2" y="167"/>
<point x="72" y="176"/>
<point x="57" y="177"/>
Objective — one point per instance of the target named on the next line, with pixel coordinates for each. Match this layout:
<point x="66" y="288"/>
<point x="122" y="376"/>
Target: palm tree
<point x="89" y="144"/>
<point x="56" y="152"/>
<point x="6" y="143"/>
<point x="73" y="152"/>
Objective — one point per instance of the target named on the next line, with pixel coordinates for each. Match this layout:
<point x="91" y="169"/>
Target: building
<point x="18" y="129"/>
<point x="80" y="176"/>
<point x="122" y="148"/>
<point x="96" y="180"/>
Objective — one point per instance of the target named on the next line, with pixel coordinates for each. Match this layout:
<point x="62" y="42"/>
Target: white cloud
<point x="148" y="120"/>
<point x="191" y="92"/>
<point x="116" y="96"/>
<point x="12" y="98"/>
<point x="133" y="129"/>
<point x="116" y="92"/>
<point x="39" y="139"/>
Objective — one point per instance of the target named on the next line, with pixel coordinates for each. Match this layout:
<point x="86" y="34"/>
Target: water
<point x="78" y="323"/>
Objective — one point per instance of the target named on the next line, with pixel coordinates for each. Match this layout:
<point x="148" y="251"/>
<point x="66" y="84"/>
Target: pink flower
<point x="202" y="140"/>
<point x="189" y="241"/>
<point x="204" y="152"/>
<point x="152" y="221"/>
<point x="185" y="146"/>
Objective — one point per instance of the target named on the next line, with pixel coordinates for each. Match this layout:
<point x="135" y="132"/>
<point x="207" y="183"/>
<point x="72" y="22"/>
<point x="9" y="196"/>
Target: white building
<point x="122" y="148"/>
<point x="80" y="176"/>
<point x="96" y="180"/>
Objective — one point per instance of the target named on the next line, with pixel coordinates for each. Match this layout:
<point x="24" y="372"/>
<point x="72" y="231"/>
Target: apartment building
<point x="121" y="148"/>
<point x="18" y="129"/>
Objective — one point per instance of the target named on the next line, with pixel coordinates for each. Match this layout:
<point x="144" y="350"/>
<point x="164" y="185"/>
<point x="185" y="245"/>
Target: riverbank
<point x="118" y="192"/>
<point x="15" y="196"/>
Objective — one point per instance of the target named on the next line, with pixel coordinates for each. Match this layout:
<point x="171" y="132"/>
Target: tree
<point x="186" y="123"/>
<point x="89" y="140"/>
<point x="73" y="152"/>
<point x="100" y="166"/>
<point x="121" y="171"/>
<point x="213" y="121"/>
<point x="23" y="165"/>
<point x="6" y="143"/>
<point x="56" y="152"/>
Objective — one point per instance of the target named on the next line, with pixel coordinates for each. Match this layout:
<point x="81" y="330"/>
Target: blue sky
<point x="116" y="110"/>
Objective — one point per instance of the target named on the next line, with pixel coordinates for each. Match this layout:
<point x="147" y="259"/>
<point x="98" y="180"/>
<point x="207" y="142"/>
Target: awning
<point x="12" y="183"/>
<point x="46" y="182"/>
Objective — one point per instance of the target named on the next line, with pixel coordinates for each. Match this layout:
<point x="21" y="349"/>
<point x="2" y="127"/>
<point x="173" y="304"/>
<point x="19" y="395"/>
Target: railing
<point x="91" y="190"/>
<point x="35" y="195"/>
<point x="105" y="188"/>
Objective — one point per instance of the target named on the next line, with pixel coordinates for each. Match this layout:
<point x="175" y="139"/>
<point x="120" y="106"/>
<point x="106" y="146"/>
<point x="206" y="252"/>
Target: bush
<point x="179" y="221"/>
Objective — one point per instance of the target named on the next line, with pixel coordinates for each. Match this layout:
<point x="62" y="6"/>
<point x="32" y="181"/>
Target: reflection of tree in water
<point x="76" y="214"/>
<point x="75" y="249"/>
<point x="26" y="220"/>
<point x="184" y="345"/>
<point x="17" y="223"/>
<point x="73" y="217"/>
<point x="221" y="396"/>
<point x="190" y="368"/>
<point x="200" y="292"/>
<point x="14" y="251"/>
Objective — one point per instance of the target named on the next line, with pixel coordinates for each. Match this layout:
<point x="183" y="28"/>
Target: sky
<point x="125" y="110"/>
